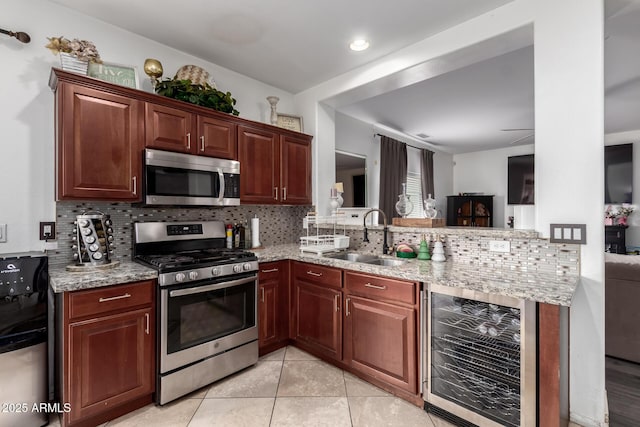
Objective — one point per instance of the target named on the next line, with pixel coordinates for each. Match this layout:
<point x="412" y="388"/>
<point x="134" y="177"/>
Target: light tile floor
<point x="285" y="388"/>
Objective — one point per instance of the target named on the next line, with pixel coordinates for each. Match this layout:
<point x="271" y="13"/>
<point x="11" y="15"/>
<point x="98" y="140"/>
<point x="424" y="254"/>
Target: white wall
<point x="26" y="104"/>
<point x="569" y="175"/>
<point x="486" y="172"/>
<point x="633" y="232"/>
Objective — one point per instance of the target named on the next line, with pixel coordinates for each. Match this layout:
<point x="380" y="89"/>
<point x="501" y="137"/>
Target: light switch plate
<point x="499" y="246"/>
<point x="568" y="233"/>
<point x="3" y="233"/>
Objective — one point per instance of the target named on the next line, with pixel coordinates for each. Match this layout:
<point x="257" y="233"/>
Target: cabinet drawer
<point x="380" y="288"/>
<point x="320" y="275"/>
<point x="103" y="300"/>
<point x="270" y="271"/>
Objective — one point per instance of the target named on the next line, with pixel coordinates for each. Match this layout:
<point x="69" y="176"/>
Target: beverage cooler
<point x="480" y="357"/>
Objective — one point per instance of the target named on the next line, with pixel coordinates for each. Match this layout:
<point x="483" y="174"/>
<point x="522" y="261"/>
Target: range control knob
<point x="237" y="268"/>
<point x="215" y="271"/>
<point x="180" y="277"/>
<point x="246" y="266"/>
<point x="193" y="275"/>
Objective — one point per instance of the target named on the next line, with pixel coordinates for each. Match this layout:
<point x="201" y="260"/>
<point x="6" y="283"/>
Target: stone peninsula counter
<point x="62" y="280"/>
<point x="532" y="286"/>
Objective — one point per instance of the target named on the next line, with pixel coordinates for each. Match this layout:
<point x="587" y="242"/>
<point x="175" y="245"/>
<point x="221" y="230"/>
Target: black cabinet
<point x="470" y="211"/>
<point x="614" y="239"/>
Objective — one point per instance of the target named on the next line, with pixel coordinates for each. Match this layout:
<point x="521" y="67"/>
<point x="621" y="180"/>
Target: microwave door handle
<point x="221" y="177"/>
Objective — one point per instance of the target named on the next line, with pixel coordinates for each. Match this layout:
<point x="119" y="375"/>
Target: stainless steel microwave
<point x="188" y="180"/>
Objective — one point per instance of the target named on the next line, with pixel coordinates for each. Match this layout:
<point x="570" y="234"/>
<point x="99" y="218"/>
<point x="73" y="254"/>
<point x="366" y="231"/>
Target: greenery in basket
<point x="204" y="95"/>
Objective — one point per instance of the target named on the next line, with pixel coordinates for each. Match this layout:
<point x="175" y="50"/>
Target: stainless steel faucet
<point x="385" y="246"/>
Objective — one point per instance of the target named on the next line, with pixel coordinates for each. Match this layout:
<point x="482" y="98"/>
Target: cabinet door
<point x="380" y="340"/>
<point x="268" y="314"/>
<point x="169" y="129"/>
<point x="99" y="145"/>
<point x="259" y="166"/>
<point x="111" y="361"/>
<point x="318" y="320"/>
<point x="273" y="306"/>
<point x="295" y="172"/>
<point x="217" y="138"/>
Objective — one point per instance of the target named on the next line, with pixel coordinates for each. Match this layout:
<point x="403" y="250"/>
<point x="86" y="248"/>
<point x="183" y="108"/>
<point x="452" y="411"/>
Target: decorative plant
<point x="204" y="94"/>
<point x="82" y="49"/>
<point x="619" y="213"/>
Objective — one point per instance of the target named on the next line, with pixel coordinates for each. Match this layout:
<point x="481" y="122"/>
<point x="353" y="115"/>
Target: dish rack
<point x="331" y="241"/>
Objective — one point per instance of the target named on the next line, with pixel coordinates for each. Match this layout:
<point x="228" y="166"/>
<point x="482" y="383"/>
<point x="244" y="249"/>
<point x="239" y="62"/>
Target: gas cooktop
<point x="198" y="258"/>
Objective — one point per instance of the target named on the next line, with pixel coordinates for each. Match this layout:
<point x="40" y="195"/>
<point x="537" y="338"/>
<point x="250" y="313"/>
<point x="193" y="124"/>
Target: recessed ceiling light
<point x="359" y="44"/>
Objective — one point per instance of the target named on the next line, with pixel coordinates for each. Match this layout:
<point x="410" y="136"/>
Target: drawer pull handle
<point x="271" y="270"/>
<point x="146" y="318"/>
<point x="189" y="141"/>
<point x="337" y="297"/>
<point x="314" y="274"/>
<point x="346" y="306"/>
<point x="114" y="298"/>
<point x="202" y="143"/>
<point x="369" y="285"/>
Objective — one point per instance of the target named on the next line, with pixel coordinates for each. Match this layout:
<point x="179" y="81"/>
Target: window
<point x="414" y="190"/>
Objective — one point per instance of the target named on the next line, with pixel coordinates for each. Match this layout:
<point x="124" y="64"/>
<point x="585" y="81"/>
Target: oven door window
<point x="205" y="316"/>
<point x="165" y="181"/>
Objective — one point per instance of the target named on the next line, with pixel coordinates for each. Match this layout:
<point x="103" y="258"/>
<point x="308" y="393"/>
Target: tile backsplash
<point x="283" y="224"/>
<point x="526" y="254"/>
<point x="278" y="224"/>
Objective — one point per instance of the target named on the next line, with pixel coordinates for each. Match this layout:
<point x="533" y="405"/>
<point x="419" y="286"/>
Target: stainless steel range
<point x="207" y="304"/>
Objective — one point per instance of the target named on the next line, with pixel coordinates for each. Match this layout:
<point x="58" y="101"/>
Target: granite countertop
<point x="540" y="287"/>
<point x="62" y="280"/>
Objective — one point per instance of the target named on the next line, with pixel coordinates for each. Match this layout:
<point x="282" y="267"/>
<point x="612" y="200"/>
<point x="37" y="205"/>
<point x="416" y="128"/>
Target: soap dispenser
<point x="438" y="251"/>
<point x="423" y="252"/>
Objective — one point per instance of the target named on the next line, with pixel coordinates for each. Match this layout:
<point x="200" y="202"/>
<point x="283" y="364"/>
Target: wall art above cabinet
<point x="102" y="129"/>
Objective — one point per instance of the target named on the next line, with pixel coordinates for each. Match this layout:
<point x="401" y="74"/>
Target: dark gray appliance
<point x="207" y="304"/>
<point x="480" y="354"/>
<point x="24" y="279"/>
<point x="185" y="179"/>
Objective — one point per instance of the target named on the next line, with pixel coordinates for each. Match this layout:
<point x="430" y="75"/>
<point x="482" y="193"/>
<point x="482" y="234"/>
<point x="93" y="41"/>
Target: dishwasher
<point x="24" y="280"/>
<point x="479" y="357"/>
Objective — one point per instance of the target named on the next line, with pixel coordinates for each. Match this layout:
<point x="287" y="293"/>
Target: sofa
<point x="622" y="306"/>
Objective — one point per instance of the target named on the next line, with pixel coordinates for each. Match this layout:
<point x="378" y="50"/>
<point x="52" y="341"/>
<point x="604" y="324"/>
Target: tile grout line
<point x="346" y="394"/>
<point x="196" y="411"/>
<point x="275" y="398"/>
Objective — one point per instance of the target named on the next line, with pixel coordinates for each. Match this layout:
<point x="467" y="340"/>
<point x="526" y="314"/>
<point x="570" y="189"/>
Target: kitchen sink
<point x="354" y="257"/>
<point x="386" y="262"/>
<point x="367" y="259"/>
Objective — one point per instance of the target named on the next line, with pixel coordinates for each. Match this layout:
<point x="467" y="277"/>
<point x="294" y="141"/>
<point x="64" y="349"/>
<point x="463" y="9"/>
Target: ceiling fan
<point x="522" y="138"/>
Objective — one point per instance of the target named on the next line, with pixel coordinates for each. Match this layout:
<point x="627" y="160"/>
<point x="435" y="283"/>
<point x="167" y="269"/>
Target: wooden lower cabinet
<point x="318" y="318"/>
<point x="380" y="340"/>
<point x="108" y="358"/>
<point x="273" y="305"/>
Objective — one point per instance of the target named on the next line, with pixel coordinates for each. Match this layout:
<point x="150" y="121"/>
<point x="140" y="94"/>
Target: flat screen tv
<point x="520" y="180"/>
<point x="618" y="173"/>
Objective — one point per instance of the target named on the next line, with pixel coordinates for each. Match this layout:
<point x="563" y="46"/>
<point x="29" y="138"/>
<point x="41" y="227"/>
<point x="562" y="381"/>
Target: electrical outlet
<point x="47" y="231"/>
<point x="499" y="246"/>
<point x="3" y="233"/>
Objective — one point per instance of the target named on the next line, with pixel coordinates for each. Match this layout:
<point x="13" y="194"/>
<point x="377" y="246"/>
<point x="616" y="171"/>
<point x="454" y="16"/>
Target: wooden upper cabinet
<point x="259" y="164"/>
<point x="169" y="128"/>
<point x="173" y="129"/>
<point x="217" y="138"/>
<point x="99" y="144"/>
<point x="274" y="169"/>
<point x="295" y="171"/>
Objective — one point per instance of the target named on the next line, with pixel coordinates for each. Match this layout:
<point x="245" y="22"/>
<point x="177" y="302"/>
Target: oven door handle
<point x="221" y="177"/>
<point x="207" y="288"/>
